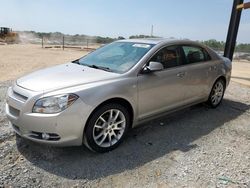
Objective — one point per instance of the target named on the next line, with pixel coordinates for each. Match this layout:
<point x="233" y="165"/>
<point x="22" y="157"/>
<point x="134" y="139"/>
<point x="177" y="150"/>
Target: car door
<point x="199" y="68"/>
<point x="162" y="90"/>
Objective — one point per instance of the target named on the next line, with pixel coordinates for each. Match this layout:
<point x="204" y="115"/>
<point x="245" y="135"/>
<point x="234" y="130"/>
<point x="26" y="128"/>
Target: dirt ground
<point x="195" y="147"/>
<point x="241" y="72"/>
<point x="19" y="59"/>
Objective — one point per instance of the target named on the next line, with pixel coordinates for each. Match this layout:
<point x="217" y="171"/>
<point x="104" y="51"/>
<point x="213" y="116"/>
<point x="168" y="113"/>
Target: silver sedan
<point x="96" y="99"/>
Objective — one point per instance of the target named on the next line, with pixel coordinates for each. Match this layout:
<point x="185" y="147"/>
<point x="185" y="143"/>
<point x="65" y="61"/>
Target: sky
<point x="192" y="19"/>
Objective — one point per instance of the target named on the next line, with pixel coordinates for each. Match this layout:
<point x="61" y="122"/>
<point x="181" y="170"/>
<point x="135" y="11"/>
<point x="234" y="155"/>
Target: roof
<point x="156" y="40"/>
<point x="147" y="40"/>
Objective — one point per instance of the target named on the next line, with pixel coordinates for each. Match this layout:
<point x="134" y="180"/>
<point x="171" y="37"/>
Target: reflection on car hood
<point x="62" y="76"/>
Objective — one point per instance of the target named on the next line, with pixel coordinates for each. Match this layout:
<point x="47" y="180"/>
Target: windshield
<point x="116" y="57"/>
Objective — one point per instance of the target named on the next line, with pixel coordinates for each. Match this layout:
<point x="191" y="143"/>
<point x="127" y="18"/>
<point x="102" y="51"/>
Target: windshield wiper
<point x="100" y="67"/>
<point x="92" y="66"/>
<point x="76" y="61"/>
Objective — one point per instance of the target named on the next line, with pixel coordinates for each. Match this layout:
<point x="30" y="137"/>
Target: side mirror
<point x="152" y="67"/>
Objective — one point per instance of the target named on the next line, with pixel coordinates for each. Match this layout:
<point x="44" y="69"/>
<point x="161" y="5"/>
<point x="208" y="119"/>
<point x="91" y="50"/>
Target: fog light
<point x="45" y="136"/>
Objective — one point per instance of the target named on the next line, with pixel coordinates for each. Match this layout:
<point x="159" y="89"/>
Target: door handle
<point x="181" y="74"/>
<point x="212" y="67"/>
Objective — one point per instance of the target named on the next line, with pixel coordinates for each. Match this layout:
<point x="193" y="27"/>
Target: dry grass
<point x="17" y="60"/>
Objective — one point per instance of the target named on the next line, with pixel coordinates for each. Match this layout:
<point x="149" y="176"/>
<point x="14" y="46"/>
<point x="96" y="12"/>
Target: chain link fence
<point x="66" y="41"/>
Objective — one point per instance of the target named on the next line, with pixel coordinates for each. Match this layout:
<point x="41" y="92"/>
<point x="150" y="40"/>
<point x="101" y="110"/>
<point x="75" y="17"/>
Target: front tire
<point x="107" y="127"/>
<point x="217" y="93"/>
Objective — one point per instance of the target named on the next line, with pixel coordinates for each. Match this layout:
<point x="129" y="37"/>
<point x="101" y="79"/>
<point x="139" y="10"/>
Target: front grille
<point x="13" y="111"/>
<point x="19" y="96"/>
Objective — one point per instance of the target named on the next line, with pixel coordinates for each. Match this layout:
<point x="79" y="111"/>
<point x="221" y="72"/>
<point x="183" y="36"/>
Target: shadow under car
<point x="143" y="144"/>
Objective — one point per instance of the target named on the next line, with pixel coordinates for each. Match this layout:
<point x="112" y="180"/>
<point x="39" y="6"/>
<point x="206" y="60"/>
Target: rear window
<point x="195" y="54"/>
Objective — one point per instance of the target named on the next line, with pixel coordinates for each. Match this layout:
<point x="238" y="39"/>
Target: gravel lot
<point x="196" y="147"/>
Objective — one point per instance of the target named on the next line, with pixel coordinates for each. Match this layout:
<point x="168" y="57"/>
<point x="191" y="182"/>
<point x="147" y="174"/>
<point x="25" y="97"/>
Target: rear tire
<point x="107" y="128"/>
<point x="217" y="93"/>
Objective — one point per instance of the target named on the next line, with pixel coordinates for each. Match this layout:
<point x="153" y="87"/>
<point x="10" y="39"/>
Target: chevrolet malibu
<point x="96" y="99"/>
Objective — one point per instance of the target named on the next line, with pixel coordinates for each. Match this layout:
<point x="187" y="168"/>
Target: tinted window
<point x="194" y="54"/>
<point x="169" y="57"/>
<point x="207" y="56"/>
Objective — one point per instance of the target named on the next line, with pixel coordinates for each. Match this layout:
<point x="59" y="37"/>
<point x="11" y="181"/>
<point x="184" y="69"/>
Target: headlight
<point x="54" y="104"/>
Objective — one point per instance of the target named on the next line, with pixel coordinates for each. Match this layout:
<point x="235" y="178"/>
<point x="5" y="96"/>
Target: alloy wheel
<point x="217" y="93"/>
<point x="109" y="128"/>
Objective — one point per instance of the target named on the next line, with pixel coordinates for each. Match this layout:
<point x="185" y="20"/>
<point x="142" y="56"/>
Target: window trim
<point x="180" y="46"/>
<point x="207" y="56"/>
<point x="148" y="60"/>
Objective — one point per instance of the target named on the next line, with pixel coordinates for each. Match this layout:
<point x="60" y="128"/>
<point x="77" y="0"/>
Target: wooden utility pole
<point x="152" y="30"/>
<point x="42" y="41"/>
<point x="244" y="6"/>
<point x="63" y="42"/>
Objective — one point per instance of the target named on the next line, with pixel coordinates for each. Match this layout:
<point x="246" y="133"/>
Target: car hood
<point x="63" y="76"/>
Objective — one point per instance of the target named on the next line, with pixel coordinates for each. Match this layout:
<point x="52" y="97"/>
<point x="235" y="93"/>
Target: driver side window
<point x="169" y="57"/>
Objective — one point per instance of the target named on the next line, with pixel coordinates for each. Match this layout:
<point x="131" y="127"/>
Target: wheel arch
<point x="116" y="100"/>
<point x="212" y="84"/>
<point x="223" y="78"/>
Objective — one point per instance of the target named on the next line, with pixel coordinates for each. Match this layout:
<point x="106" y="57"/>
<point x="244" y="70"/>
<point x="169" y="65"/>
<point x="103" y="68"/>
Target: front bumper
<point x="61" y="129"/>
